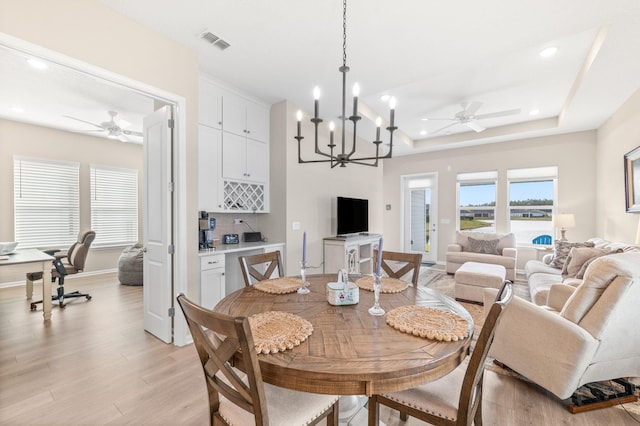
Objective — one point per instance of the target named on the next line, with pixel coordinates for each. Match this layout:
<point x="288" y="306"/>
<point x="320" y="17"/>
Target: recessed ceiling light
<point x="37" y="64"/>
<point x="385" y="98"/>
<point x="423" y="132"/>
<point x="534" y="112"/>
<point x="424" y="119"/>
<point x="17" y="109"/>
<point x="548" y="52"/>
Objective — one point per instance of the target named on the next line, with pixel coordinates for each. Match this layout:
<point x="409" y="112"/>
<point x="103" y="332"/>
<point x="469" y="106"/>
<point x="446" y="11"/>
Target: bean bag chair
<point x="130" y="265"/>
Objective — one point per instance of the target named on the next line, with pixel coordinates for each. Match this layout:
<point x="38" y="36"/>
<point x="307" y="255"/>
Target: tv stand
<point x="351" y="252"/>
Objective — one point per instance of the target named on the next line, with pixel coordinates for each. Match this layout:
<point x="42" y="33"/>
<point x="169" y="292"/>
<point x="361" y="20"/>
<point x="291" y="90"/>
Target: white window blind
<point x="114" y="205"/>
<point x="46" y="202"/>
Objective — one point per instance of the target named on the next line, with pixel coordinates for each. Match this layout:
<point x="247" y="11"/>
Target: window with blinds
<point x="46" y="202"/>
<point x="114" y="205"/>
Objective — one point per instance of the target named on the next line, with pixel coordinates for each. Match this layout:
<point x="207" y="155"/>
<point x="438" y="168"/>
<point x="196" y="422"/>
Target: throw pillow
<point x="562" y="249"/>
<point x="484" y="246"/>
<point x="577" y="258"/>
<point x="583" y="269"/>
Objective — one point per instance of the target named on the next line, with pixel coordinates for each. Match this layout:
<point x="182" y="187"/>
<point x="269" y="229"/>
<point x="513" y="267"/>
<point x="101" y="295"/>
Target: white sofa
<point x="541" y="275"/>
<point x="583" y="334"/>
<point x="463" y="251"/>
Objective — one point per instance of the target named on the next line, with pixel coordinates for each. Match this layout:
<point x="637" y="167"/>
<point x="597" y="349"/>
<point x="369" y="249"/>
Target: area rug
<point x="434" y="277"/>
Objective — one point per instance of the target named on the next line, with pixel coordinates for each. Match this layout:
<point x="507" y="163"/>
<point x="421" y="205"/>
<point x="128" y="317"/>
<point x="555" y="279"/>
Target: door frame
<point x="179" y="213"/>
<point x="433" y="211"/>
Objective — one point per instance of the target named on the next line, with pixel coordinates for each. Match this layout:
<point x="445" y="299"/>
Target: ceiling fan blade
<point x="123" y="138"/>
<point x="132" y="133"/>
<point x="473" y="125"/>
<point x="83" y="121"/>
<point x="445" y="127"/>
<point x="470" y="108"/>
<point x="435" y="119"/>
<point x="498" y="114"/>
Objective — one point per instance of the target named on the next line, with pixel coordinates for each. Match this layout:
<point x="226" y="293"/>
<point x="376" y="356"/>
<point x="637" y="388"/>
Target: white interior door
<point x="420" y="216"/>
<point x="157" y="208"/>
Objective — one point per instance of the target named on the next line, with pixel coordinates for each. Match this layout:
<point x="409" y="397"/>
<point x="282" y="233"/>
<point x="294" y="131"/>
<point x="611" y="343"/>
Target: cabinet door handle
<point x="213" y="263"/>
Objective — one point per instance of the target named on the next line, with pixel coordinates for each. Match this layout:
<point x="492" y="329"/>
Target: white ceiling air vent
<point x="211" y="38"/>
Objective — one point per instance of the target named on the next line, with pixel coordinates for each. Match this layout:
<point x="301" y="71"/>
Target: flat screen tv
<point x="352" y="215"/>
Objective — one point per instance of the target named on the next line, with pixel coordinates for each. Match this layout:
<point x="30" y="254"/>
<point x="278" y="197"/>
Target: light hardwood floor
<point x="95" y="365"/>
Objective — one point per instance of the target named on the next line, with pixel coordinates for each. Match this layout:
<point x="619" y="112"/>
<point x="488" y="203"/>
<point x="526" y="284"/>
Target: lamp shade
<point x="564" y="220"/>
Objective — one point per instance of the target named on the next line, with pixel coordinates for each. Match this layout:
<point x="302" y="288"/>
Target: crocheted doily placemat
<point x="278" y="285"/>
<point x="387" y="285"/>
<point x="276" y="331"/>
<point x="428" y="322"/>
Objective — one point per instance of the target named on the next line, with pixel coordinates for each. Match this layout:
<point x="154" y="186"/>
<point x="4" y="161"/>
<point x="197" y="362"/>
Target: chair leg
<point x="333" y="417"/>
<point x="477" y="419"/>
<point x="374" y="411"/>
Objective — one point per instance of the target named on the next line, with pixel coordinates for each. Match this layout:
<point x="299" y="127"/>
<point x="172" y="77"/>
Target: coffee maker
<point x="206" y="225"/>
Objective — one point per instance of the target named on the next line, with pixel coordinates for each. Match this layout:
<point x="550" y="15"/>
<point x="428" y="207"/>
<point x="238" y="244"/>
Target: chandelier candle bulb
<point x="378" y="123"/>
<point x="316" y="101"/>
<point x="332" y="127"/>
<point x="356" y="92"/>
<point x="392" y="106"/>
<point x="299" y="117"/>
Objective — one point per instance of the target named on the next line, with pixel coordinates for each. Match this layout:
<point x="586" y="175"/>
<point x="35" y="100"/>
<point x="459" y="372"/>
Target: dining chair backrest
<point x="216" y="349"/>
<point x="261" y="266"/>
<point x="471" y="393"/>
<point x="397" y="265"/>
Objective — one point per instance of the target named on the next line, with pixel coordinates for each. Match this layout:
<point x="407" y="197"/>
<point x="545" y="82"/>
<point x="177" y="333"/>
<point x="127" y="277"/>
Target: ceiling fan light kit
<point x="343" y="158"/>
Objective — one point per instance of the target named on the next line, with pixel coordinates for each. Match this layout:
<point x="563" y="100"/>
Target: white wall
<point x="619" y="135"/>
<point x="574" y="154"/>
<point x="88" y="31"/>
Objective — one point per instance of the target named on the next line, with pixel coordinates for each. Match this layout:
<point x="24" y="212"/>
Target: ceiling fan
<point x="114" y="129"/>
<point x="469" y="118"/>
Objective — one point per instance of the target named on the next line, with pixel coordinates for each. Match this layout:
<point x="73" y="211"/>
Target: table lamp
<point x="563" y="221"/>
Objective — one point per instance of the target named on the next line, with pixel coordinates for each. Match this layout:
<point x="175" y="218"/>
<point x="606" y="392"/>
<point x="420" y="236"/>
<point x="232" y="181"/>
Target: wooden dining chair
<point x="435" y="402"/>
<point x="397" y="265"/>
<point x="261" y="266"/>
<point x="237" y="394"/>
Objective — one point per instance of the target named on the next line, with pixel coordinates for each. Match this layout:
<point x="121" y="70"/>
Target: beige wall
<point x="310" y="190"/>
<point x="41" y="142"/>
<point x="574" y="154"/>
<point x="619" y="135"/>
<point x="90" y="32"/>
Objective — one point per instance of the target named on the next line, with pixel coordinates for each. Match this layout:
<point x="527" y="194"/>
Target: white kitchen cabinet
<point x="244" y="117"/>
<point x="210" y="193"/>
<point x="210" y="104"/>
<point x="355" y="254"/>
<point x="244" y="159"/>
<point x="212" y="280"/>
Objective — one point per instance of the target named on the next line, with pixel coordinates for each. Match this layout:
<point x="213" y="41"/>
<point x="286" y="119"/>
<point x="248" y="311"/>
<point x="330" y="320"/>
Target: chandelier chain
<point x="344" y="33"/>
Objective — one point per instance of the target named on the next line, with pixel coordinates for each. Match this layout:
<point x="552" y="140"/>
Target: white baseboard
<point x="68" y="277"/>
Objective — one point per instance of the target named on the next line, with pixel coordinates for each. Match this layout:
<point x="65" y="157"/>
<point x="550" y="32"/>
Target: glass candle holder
<point x="303" y="281"/>
<point x="376" y="309"/>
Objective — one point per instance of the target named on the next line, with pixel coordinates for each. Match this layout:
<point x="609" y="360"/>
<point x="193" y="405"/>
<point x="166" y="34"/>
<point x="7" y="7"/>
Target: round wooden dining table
<point x="351" y="352"/>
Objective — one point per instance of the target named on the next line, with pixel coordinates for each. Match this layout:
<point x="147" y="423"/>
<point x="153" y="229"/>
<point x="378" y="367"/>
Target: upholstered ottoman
<point x="130" y="265"/>
<point x="472" y="277"/>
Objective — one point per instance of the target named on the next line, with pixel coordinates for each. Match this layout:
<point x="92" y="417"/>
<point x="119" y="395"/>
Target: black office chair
<point x="65" y="264"/>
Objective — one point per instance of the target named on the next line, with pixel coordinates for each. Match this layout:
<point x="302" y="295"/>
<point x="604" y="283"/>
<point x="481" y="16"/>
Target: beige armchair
<point x="584" y="334"/>
<point x="483" y="247"/>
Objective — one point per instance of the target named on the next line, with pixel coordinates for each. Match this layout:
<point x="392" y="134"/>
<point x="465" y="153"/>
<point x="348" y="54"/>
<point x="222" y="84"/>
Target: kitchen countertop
<point x="230" y="248"/>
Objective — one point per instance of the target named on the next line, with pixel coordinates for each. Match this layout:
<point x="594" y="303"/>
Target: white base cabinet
<point x="355" y="254"/>
<point x="212" y="280"/>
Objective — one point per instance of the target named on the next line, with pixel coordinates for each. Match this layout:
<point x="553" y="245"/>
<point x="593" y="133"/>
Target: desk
<point x="351" y="352"/>
<point x="32" y="260"/>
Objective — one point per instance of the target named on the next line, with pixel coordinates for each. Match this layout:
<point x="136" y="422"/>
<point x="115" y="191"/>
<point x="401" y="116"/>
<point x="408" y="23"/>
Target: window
<point x="114" y="205"/>
<point x="531" y="202"/>
<point x="477" y="201"/>
<point x="46" y="202"/>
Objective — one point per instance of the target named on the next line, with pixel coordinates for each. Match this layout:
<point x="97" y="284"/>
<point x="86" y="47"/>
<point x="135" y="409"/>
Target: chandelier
<point x="345" y="157"/>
